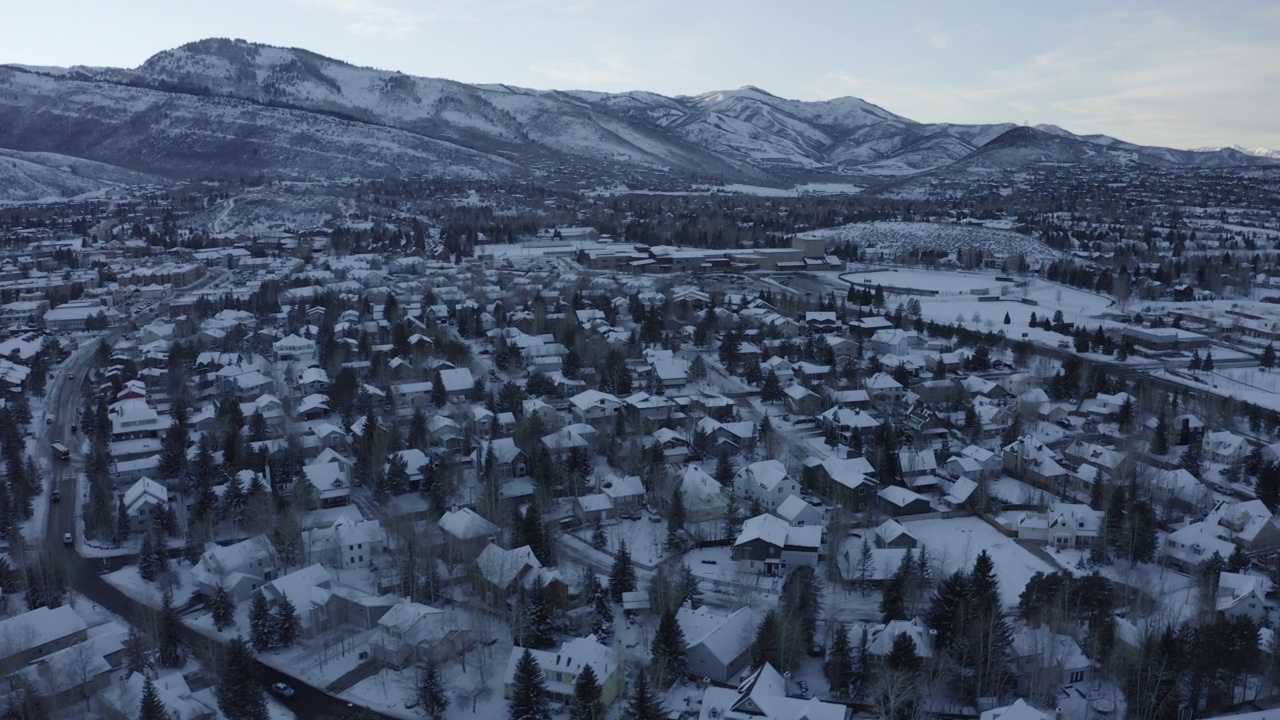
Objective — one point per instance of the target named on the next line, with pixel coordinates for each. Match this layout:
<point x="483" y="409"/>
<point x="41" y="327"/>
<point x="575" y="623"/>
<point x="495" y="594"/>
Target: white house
<point x="145" y="501"/>
<point x="293" y="348"/>
<point x="241" y="567"/>
<point x="347" y="544"/>
<point x="1240" y="594"/>
<point x="766" y="482"/>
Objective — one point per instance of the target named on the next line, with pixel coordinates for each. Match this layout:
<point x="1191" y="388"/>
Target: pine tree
<point x="669" y="658"/>
<point x="135" y="652"/>
<point x="239" y="684"/>
<point x="123" y="522"/>
<point x="286" y="622"/>
<point x="536" y="623"/>
<point x="732" y="518"/>
<point x="1268" y="485"/>
<point x="644" y="705"/>
<point x="528" y="691"/>
<point x="170" y="629"/>
<point x="1114" y="521"/>
<point x="431" y="695"/>
<point x="601" y="611"/>
<point x="676" y="516"/>
<point x="724" y="471"/>
<point x="839" y="664"/>
<point x="622" y="577"/>
<point x="1268" y="359"/>
<point x="1007" y="320"/>
<point x="262" y="630"/>
<point x="771" y="391"/>
<point x="765" y="649"/>
<point x="223" y="608"/>
<point x="1207" y="365"/>
<point x="864" y="568"/>
<point x="1160" y="438"/>
<point x="1239" y="560"/>
<point x="586" y="704"/>
<point x="1190" y="460"/>
<point x="147" y="563"/>
<point x="152" y="707"/>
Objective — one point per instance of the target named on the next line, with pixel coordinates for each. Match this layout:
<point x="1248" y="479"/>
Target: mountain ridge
<point x="219" y="107"/>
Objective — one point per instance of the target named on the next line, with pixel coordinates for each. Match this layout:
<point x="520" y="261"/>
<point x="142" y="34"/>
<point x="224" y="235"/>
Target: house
<point x="466" y="533"/>
<point x="704" y="498"/>
<point x="178" y="698"/>
<point x="561" y="668"/>
<point x="768" y="545"/>
<point x="411" y="632"/>
<point x="766" y="482"/>
<point x="458" y="383"/>
<point x="916" y="463"/>
<point x="675" y="448"/>
<point x="893" y="534"/>
<point x="843" y="481"/>
<point x="145" y="501"/>
<point x="1112" y="463"/>
<point x="1031" y="460"/>
<point x="240" y="568"/>
<point x="593" y="508"/>
<point x="508" y="460"/>
<point x="1020" y="710"/>
<point x="1046" y="661"/>
<point x="331" y="482"/>
<point x="68" y="676"/>
<point x="1063" y="525"/>
<point x="308" y="590"/>
<point x="847" y="423"/>
<point x="718" y="646"/>
<point x="800" y="400"/>
<point x="881" y="637"/>
<point x="974" y="462"/>
<point x="38" y="633"/>
<point x="1249" y="524"/>
<point x="898" y="501"/>
<point x="894" y="341"/>
<point x="1242" y="595"/>
<point x="1224" y="447"/>
<point x="625" y="492"/>
<point x="500" y="574"/>
<point x="1188" y="547"/>
<point x="798" y="513"/>
<point x="765" y="695"/>
<point x="293" y="348"/>
<point x="346" y="545"/>
<point x="885" y="392"/>
<point x="595" y="408"/>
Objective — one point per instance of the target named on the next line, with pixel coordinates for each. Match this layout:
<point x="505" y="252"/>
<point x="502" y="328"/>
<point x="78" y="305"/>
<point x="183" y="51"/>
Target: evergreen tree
<point x="676" y="516"/>
<point x="169" y="627"/>
<point x="1007" y="320"/>
<point x="528" y="691"/>
<point x="669" y="659"/>
<point x="1160" y="438"/>
<point x="1190" y="460"/>
<point x="239" y="690"/>
<point x="536" y="623"/>
<point x="724" y="471"/>
<point x="601" y="611"/>
<point x="135" y="652"/>
<point x="152" y="707"/>
<point x="262" y="631"/>
<point x="1115" y="518"/>
<point x="1207" y="365"/>
<point x="771" y="391"/>
<point x="1239" y="560"/>
<point x="1268" y="485"/>
<point x="431" y="695"/>
<point x="1268" y="359"/>
<point x="223" y="608"/>
<point x="123" y="524"/>
<point x="765" y="649"/>
<point x="839" y="664"/>
<point x="732" y="518"/>
<point x="622" y="577"/>
<point x="645" y="704"/>
<point x="148" y="565"/>
<point x="286" y="622"/>
<point x="586" y="704"/>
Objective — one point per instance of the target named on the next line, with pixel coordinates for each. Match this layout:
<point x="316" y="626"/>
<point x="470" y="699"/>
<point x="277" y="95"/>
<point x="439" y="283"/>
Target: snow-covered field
<point x="954" y="544"/>
<point x="890" y="238"/>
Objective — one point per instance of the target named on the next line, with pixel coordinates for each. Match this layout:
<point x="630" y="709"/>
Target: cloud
<point x="374" y="18"/>
<point x="607" y="70"/>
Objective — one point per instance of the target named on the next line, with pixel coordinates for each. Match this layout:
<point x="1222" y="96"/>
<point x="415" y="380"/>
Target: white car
<point x="67" y="539"/>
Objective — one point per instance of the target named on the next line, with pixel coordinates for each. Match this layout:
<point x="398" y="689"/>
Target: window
<point x="1077" y="676"/>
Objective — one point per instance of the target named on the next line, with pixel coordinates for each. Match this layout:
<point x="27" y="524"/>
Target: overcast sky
<point x="1177" y="73"/>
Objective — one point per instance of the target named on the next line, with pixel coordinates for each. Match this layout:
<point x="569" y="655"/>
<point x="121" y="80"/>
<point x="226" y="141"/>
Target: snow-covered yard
<point x="954" y="544"/>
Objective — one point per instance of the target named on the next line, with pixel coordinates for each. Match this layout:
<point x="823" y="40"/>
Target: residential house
<point x="765" y="695"/>
<point x="766" y="482"/>
<point x="1046" y="661"/>
<point x="885" y="392"/>
<point x="881" y="637"/>
<point x="802" y="401"/>
<point x="240" y="568"/>
<point x="508" y="459"/>
<point x="308" y="590"/>
<point x="466" y="533"/>
<point x="561" y="668"/>
<point x="1019" y="710"/>
<point x="1241" y="595"/>
<point x="895" y="535"/>
<point x="346" y="544"/>
<point x="411" y="632"/>
<point x="898" y="501"/>
<point x="38" y="633"/>
<point x="798" y="513"/>
<point x="1224" y="447"/>
<point x="1064" y="525"/>
<point x="843" y="481"/>
<point x="145" y="502"/>
<point x="595" y="408"/>
<point x="501" y="573"/>
<point x="293" y="348"/>
<point x="717" y="645"/>
<point x="847" y="422"/>
<point x="704" y="498"/>
<point x="768" y="545"/>
<point x="458" y="383"/>
<point x="1031" y="460"/>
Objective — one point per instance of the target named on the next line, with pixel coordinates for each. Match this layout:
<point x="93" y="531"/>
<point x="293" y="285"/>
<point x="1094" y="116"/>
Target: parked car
<point x="67" y="539"/>
<point x="56" y="496"/>
<point x="282" y="690"/>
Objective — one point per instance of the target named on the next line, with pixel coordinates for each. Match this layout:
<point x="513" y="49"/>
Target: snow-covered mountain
<point x="1262" y="152"/>
<point x="229" y="108"/>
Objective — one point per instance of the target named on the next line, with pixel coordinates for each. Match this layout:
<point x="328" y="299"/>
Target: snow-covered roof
<point x="145" y="491"/>
<point x="769" y="528"/>
<point x="725" y="636"/>
<point x="466" y="524"/>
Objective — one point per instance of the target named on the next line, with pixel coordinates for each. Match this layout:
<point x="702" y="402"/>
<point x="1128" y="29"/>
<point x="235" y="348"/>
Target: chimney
<point x="1057" y="713"/>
